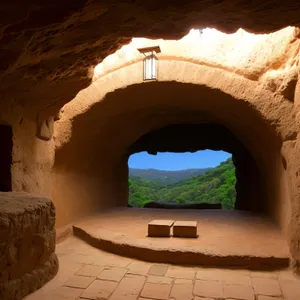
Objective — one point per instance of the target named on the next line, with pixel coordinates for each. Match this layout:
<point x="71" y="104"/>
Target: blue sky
<point x="177" y="161"/>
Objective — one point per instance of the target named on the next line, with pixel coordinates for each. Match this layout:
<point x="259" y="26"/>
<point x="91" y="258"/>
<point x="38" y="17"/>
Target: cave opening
<point x="239" y="185"/>
<point x="202" y="179"/>
<point x="170" y="116"/>
<point x="5" y="158"/>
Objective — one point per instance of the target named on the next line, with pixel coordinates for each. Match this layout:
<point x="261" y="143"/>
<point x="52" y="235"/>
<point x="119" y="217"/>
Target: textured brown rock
<point x="244" y="105"/>
<point x="185" y="229"/>
<point x="18" y="288"/>
<point x="27" y="244"/>
<point x="55" y="44"/>
<point x="160" y="228"/>
<point x="45" y="129"/>
<point x="48" y="54"/>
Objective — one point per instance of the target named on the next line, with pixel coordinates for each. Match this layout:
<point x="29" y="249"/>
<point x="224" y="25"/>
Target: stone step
<point x="160" y="228"/>
<point x="185" y="229"/>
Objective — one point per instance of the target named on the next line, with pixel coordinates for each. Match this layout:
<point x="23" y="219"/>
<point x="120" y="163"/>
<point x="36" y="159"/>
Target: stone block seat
<point x="160" y="228"/>
<point x="27" y="244"/>
<point x="185" y="229"/>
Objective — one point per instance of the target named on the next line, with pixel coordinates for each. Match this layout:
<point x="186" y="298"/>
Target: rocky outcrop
<point x="47" y="50"/>
<point x="27" y="244"/>
<point x="126" y="109"/>
<point x="48" y="54"/>
<point x="254" y="100"/>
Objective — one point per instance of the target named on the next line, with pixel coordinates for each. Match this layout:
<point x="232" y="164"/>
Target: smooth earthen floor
<point x="224" y="233"/>
<point x="89" y="273"/>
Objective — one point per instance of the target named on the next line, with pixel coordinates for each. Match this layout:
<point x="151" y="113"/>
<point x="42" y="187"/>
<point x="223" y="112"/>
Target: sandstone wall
<point x="255" y="102"/>
<point x="249" y="55"/>
<point x="46" y="54"/>
<point x="32" y="158"/>
<point x="78" y="195"/>
<point x="125" y="115"/>
<point x="279" y="200"/>
<point x="96" y="129"/>
<point x="291" y="151"/>
<point x="27" y="222"/>
<point x="27" y="244"/>
<point x="47" y="50"/>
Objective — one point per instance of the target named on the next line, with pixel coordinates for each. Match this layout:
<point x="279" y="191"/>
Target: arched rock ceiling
<point x="47" y="48"/>
<point x="109" y="128"/>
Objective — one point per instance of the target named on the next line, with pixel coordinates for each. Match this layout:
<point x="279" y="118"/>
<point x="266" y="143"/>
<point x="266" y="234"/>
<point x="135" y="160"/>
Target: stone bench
<point x="160" y="228"/>
<point x="185" y="229"/>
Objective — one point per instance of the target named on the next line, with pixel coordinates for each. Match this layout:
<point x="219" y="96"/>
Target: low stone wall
<point x="27" y="244"/>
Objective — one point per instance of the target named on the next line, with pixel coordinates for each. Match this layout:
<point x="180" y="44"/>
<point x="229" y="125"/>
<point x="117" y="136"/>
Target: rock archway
<point x="122" y="117"/>
<point x="95" y="136"/>
<point x="96" y="130"/>
<point x="47" y="54"/>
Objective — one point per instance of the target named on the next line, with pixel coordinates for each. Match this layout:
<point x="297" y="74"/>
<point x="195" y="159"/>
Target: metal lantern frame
<point x="150" y="65"/>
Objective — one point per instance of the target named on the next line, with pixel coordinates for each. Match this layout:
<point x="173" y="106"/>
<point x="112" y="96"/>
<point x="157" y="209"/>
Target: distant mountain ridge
<point x="163" y="177"/>
<point x="216" y="186"/>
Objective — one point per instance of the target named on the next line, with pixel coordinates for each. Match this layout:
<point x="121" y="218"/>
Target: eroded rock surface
<point x="27" y="244"/>
<point x="45" y="129"/>
<point x="252" y="93"/>
<point x="47" y="50"/>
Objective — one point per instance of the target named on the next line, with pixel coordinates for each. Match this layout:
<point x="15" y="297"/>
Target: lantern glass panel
<point x="150" y="67"/>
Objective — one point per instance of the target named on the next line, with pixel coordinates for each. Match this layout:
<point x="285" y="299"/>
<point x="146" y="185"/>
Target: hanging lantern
<point x="150" y="67"/>
<point x="150" y="62"/>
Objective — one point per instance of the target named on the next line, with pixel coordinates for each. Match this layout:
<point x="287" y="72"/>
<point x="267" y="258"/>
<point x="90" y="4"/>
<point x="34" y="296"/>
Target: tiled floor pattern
<point x="89" y="273"/>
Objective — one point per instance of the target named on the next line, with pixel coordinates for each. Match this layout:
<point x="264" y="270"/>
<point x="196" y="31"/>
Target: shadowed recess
<point x="5" y="158"/>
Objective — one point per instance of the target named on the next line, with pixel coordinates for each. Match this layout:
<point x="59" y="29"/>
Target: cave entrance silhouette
<point x="163" y="117"/>
<point x="97" y="133"/>
<point x="195" y="137"/>
<point x="5" y="158"/>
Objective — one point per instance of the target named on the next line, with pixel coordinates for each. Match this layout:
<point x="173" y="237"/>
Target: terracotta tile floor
<point x="89" y="273"/>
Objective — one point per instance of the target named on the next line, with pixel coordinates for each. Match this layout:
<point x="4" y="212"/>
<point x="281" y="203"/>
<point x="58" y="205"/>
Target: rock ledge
<point x="27" y="244"/>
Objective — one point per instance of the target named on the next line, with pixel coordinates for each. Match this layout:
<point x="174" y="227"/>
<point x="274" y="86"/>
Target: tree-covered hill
<point x="162" y="177"/>
<point x="215" y="186"/>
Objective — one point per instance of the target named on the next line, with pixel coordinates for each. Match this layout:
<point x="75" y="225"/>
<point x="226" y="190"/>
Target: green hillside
<point x="162" y="177"/>
<point x="215" y="186"/>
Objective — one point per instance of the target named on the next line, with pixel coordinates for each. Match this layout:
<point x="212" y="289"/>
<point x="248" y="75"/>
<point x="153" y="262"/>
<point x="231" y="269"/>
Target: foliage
<point x="162" y="177"/>
<point x="215" y="186"/>
<point x="142" y="191"/>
